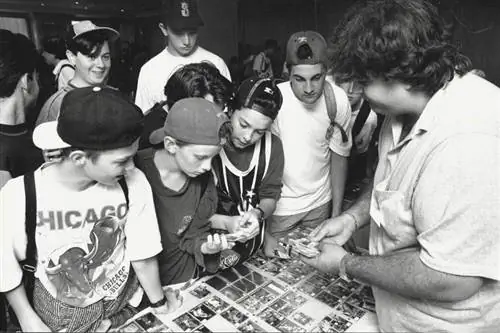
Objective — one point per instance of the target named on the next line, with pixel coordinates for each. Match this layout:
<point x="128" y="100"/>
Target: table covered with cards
<point x="267" y="295"/>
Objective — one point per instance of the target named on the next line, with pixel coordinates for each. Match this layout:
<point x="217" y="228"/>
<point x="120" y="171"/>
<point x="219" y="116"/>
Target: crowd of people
<point x="109" y="205"/>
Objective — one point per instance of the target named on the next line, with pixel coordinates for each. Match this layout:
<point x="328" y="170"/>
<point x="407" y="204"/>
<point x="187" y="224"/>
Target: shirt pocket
<point x="392" y="213"/>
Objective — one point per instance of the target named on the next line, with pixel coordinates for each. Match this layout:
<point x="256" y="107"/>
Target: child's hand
<point x="215" y="243"/>
<point x="174" y="301"/>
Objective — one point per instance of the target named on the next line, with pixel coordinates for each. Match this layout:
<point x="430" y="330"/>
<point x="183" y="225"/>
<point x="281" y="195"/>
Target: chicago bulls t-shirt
<point x="85" y="239"/>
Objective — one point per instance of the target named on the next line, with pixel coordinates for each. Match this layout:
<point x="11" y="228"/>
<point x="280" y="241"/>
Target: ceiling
<point x="83" y="7"/>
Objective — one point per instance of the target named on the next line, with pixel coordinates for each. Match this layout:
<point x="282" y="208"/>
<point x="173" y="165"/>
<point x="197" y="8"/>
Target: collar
<point x="13" y="130"/>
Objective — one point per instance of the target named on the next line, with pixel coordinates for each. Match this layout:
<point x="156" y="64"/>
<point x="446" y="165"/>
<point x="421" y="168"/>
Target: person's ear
<point x="78" y="157"/>
<point x="163" y="29"/>
<point x="170" y="145"/>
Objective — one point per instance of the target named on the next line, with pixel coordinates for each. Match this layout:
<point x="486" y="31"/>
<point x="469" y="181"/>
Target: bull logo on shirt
<point x="76" y="270"/>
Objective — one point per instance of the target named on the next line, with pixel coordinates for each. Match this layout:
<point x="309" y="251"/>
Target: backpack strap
<point x="364" y="111"/>
<point x="331" y="109"/>
<point x="29" y="264"/>
<point x="124" y="186"/>
<point x="62" y="67"/>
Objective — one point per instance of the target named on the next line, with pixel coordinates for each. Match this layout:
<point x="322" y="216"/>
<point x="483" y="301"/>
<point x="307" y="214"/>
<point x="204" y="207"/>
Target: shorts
<point x="59" y="316"/>
<point x="279" y="226"/>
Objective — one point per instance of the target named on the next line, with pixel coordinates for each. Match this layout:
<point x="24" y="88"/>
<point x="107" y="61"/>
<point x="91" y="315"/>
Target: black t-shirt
<point x="18" y="154"/>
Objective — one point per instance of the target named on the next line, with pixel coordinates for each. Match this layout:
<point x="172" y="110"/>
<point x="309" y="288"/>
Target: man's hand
<point x="328" y="261"/>
<point x="215" y="243"/>
<point x="338" y="230"/>
<point x="174" y="301"/>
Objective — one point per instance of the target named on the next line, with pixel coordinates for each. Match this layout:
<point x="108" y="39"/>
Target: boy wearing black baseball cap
<point x="180" y="25"/>
<point x="183" y="188"/>
<point x="314" y="129"/>
<point x="249" y="169"/>
<point x="93" y="211"/>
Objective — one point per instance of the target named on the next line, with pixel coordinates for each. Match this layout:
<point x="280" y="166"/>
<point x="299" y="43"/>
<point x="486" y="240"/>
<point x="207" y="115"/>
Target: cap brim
<point x="112" y="33"/>
<point x="45" y="137"/>
<point x="157" y="136"/>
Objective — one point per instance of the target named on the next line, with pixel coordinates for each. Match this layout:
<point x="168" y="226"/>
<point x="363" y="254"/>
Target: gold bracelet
<point x="356" y="225"/>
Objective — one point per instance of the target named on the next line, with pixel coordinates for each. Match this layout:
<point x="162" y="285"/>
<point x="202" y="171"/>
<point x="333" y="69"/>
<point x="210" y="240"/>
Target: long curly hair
<point x="402" y="40"/>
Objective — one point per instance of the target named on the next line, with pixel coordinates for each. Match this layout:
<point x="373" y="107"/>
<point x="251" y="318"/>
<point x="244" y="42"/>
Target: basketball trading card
<point x="161" y="328"/>
<point x="318" y="281"/>
<point x="324" y="326"/>
<point x="305" y="247"/>
<point x="271" y="317"/>
<point x="250" y="327"/>
<point x="288" y="326"/>
<point x="328" y="299"/>
<point x="366" y="292"/>
<point x="355" y="300"/>
<point x="309" y="289"/>
<point x="200" y="291"/>
<point x="294" y="299"/>
<point x="264" y="296"/>
<point x="289" y="278"/>
<point x="256" y="278"/>
<point x="349" y="285"/>
<point x="299" y="268"/>
<point x="350" y="311"/>
<point x="257" y="261"/>
<point x="251" y="304"/>
<point x="286" y="310"/>
<point x="338" y="291"/>
<point x="228" y="275"/>
<point x="328" y="276"/>
<point x="148" y="321"/>
<point x="276" y="288"/>
<point x="186" y="322"/>
<point x="201" y="329"/>
<point x="302" y="318"/>
<point x="216" y="282"/>
<point x="234" y="316"/>
<point x="216" y="304"/>
<point x="272" y="268"/>
<point x="202" y="313"/>
<point x="245" y="285"/>
<point x="278" y="304"/>
<point x="339" y="323"/>
<point x="132" y="327"/>
<point x="242" y="269"/>
<point x="232" y="293"/>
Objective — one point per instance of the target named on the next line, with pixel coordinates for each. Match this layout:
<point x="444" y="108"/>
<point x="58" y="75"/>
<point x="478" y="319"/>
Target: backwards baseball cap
<point x="92" y="118"/>
<point x="83" y="27"/>
<point x="262" y="89"/>
<point x="183" y="15"/>
<point x="316" y="43"/>
<point x="192" y="120"/>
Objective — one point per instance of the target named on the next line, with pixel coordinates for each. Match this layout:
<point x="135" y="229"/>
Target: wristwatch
<point x="342" y="268"/>
<point x="159" y="303"/>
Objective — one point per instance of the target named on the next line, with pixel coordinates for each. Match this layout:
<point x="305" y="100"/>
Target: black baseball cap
<point x="183" y="15"/>
<point x="262" y="88"/>
<point x="95" y="118"/>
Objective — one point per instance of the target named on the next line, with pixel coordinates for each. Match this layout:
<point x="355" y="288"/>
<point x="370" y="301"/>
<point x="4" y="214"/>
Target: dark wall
<point x="476" y="24"/>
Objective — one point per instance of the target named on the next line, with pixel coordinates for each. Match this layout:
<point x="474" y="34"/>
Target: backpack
<point x="331" y="109"/>
<point x="29" y="264"/>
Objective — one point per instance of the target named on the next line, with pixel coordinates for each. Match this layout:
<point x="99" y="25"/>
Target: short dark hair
<point x="93" y="155"/>
<point x="18" y="56"/>
<point x="403" y="40"/>
<point x="89" y="44"/>
<point x="55" y="46"/>
<point x="199" y="80"/>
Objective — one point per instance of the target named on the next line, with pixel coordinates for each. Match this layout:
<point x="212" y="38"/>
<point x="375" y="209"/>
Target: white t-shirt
<point x="155" y="73"/>
<point x="262" y="65"/>
<point x="89" y="233"/>
<point x="302" y="129"/>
